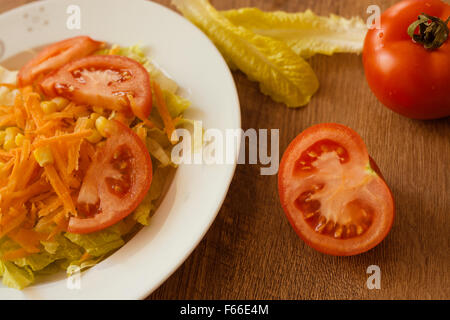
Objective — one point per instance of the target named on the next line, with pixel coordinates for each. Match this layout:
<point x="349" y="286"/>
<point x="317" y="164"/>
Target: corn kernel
<point x="12" y="131"/>
<point x="10" y="137"/>
<point x="95" y="137"/>
<point x="19" y="139"/>
<point x="98" y="110"/>
<point x="43" y="156"/>
<point x="61" y="103"/>
<point x="103" y="126"/>
<point x="90" y="123"/>
<point x="95" y="116"/>
<point x="49" y="107"/>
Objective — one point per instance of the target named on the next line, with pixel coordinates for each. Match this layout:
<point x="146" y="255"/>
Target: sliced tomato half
<point x="55" y="56"/>
<point x="115" y="183"/>
<point x="332" y="192"/>
<point x="103" y="81"/>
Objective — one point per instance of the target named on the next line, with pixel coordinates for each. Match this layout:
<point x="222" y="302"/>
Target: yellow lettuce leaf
<point x="282" y="74"/>
<point x="304" y="32"/>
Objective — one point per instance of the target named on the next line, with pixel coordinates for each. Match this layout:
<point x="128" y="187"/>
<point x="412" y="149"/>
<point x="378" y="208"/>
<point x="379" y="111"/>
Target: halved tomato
<point x="103" y="81"/>
<point x="55" y="56"/>
<point x="332" y="193"/>
<point x="115" y="183"/>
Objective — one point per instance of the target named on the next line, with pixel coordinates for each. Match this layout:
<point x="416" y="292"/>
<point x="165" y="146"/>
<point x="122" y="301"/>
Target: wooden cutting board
<point x="251" y="252"/>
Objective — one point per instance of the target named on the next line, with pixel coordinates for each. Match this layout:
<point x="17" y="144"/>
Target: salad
<point x="86" y="132"/>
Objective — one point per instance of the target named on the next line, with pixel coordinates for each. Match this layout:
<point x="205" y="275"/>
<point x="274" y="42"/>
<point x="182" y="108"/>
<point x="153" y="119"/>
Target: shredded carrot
<point x="28" y="239"/>
<point x="164" y="112"/>
<point x="54" y="205"/>
<point x="74" y="150"/>
<point x="61" y="222"/>
<point x="12" y="221"/>
<point x="7" y="120"/>
<point x="33" y="108"/>
<point x="19" y="112"/>
<point x="8" y="85"/>
<point x="85" y="256"/>
<point x="32" y="190"/>
<point x="15" y="254"/>
<point x="60" y="188"/>
<point x="64" y="138"/>
<point x="141" y="131"/>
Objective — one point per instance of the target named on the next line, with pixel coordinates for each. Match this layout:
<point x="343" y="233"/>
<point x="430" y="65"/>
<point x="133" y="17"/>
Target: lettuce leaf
<point x="14" y="276"/>
<point x="36" y="261"/>
<point x="282" y="74"/>
<point x="62" y="248"/>
<point x="304" y="32"/>
<point x="98" y="243"/>
<point x="175" y="104"/>
<point x="144" y="210"/>
<point x="7" y="76"/>
<point x="158" y="152"/>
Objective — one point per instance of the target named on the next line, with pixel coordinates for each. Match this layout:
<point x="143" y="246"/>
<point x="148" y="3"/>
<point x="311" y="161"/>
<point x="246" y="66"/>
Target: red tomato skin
<point x="55" y="56"/>
<point x="403" y="75"/>
<point x="97" y="94"/>
<point x="113" y="208"/>
<point x="322" y="247"/>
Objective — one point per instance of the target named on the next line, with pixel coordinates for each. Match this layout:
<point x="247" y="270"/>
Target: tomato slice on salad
<point x="333" y="193"/>
<point x="55" y="56"/>
<point x="104" y="81"/>
<point x="115" y="183"/>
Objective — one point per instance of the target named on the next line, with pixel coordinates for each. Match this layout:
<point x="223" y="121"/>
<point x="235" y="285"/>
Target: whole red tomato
<point x="410" y="72"/>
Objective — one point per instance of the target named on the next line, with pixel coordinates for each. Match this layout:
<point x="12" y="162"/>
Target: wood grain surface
<point x="251" y="251"/>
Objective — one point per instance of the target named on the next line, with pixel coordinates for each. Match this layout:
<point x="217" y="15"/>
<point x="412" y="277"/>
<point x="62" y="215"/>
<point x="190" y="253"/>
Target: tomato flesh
<point x="330" y="194"/>
<point x="103" y="81"/>
<point x="115" y="183"/>
<point x="55" y="56"/>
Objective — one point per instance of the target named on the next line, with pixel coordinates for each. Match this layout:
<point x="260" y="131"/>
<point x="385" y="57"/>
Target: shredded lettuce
<point x="7" y="95"/>
<point x="37" y="261"/>
<point x="144" y="210"/>
<point x="98" y="243"/>
<point x="175" y="104"/>
<point x="15" y="277"/>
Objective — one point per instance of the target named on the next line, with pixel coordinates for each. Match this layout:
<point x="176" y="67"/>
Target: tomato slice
<point x="55" y="56"/>
<point x="332" y="192"/>
<point x="115" y="183"/>
<point x="103" y="81"/>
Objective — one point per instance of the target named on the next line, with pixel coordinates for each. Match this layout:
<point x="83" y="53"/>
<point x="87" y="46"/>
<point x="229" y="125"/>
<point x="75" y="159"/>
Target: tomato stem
<point x="433" y="32"/>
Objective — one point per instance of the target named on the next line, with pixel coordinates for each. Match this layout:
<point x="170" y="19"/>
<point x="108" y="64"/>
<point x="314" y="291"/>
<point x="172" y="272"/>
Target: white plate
<point x="197" y="191"/>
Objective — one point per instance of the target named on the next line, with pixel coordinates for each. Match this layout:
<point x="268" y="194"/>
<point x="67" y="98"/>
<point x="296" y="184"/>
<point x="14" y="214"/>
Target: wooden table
<point x="251" y="251"/>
